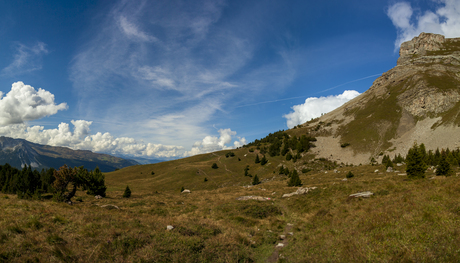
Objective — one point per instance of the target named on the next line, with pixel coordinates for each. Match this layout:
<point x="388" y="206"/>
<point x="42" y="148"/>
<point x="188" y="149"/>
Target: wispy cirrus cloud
<point x="161" y="66"/>
<point x="409" y="23"/>
<point x="26" y="59"/>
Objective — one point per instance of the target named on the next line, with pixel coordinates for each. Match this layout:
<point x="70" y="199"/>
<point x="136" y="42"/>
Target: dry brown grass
<point x="404" y="220"/>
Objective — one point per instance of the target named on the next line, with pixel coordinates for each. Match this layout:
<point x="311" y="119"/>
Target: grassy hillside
<point x="403" y="221"/>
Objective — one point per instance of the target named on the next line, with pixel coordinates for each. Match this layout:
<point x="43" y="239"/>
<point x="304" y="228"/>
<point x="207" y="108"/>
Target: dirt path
<point x="275" y="256"/>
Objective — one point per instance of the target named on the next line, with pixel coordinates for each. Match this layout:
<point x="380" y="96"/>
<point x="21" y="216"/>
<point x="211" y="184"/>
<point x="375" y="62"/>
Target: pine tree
<point x="444" y="167"/>
<point x="246" y="169"/>
<point x="94" y="181"/>
<point x="415" y="163"/>
<point x="294" y="180"/>
<point x="214" y="166"/>
<point x="257" y="158"/>
<point x="127" y="192"/>
<point x="263" y="161"/>
<point x="288" y="156"/>
<point x="255" y="180"/>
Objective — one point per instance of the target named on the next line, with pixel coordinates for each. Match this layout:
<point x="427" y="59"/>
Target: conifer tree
<point x="444" y="167"/>
<point x="255" y="180"/>
<point x="127" y="192"/>
<point x="415" y="163"/>
<point x="263" y="161"/>
<point x="294" y="180"/>
<point x="95" y="182"/>
<point x="257" y="158"/>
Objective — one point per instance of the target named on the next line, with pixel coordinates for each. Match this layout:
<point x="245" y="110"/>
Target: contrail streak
<point x="292" y="98"/>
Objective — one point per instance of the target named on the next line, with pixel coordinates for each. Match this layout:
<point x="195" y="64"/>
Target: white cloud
<point x="26" y="59"/>
<point x="132" y="31"/>
<point x="24" y="103"/>
<point x="444" y="20"/>
<point x="214" y="143"/>
<point x="80" y="139"/>
<point x="314" y="107"/>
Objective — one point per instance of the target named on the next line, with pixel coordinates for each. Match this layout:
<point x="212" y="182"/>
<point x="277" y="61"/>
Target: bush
<point x="214" y="166"/>
<point x="343" y="145"/>
<point x="350" y="174"/>
<point x="127" y="193"/>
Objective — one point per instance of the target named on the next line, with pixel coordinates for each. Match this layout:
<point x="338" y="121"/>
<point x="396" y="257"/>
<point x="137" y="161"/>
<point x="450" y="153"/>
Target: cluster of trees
<point x="294" y="179"/>
<point x="262" y="161"/>
<point x="418" y="160"/>
<point x="63" y="183"/>
<point x="389" y="163"/>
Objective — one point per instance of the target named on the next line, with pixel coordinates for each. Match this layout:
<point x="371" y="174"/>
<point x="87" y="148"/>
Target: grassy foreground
<point x="405" y="220"/>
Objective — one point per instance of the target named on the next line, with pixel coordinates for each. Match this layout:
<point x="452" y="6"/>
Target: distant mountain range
<point x="19" y="152"/>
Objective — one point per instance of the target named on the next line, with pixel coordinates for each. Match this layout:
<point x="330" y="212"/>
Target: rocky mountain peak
<point x="418" y="100"/>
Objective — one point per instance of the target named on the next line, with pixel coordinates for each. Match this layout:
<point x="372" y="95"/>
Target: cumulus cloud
<point x="26" y="59"/>
<point x="79" y="138"/>
<point x="444" y="20"/>
<point x="24" y="103"/>
<point x="214" y="143"/>
<point x="314" y="107"/>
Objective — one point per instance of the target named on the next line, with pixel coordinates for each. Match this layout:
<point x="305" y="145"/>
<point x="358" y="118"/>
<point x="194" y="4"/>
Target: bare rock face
<point x="419" y="46"/>
<point x="418" y="100"/>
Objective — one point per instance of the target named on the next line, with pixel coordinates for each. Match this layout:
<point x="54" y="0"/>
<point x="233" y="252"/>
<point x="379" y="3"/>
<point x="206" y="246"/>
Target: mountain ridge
<point x="20" y="152"/>
<point x="416" y="101"/>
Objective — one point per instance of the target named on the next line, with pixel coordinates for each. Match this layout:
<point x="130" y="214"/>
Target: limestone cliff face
<point x="418" y="100"/>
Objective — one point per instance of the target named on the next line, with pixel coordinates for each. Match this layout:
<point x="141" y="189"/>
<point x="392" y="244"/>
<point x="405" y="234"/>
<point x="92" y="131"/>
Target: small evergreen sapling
<point x="214" y="166"/>
<point x="255" y="180"/>
<point x="127" y="193"/>
<point x="295" y="179"/>
<point x="263" y="161"/>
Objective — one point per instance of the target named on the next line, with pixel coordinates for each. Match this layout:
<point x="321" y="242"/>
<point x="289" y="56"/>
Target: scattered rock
<point x="169" y="227"/>
<point x="362" y="194"/>
<point x="389" y="169"/>
<point x="251" y="197"/>
<point x="280" y="245"/>
<point x="98" y="197"/>
<point x="402" y="174"/>
<point x="291" y="233"/>
<point x="110" y="207"/>
<point x="399" y="164"/>
<point x="376" y="171"/>
<point x="282" y="237"/>
<point x="335" y="171"/>
<point x="299" y="191"/>
<point x="344" y="179"/>
<point x="289" y="224"/>
<point x="186" y="191"/>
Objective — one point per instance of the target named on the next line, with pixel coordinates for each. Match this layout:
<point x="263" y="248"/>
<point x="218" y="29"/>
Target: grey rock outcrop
<point x="300" y="191"/>
<point x="419" y="46"/>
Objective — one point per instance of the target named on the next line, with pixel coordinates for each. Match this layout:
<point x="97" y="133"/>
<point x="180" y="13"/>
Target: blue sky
<point x="175" y="78"/>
